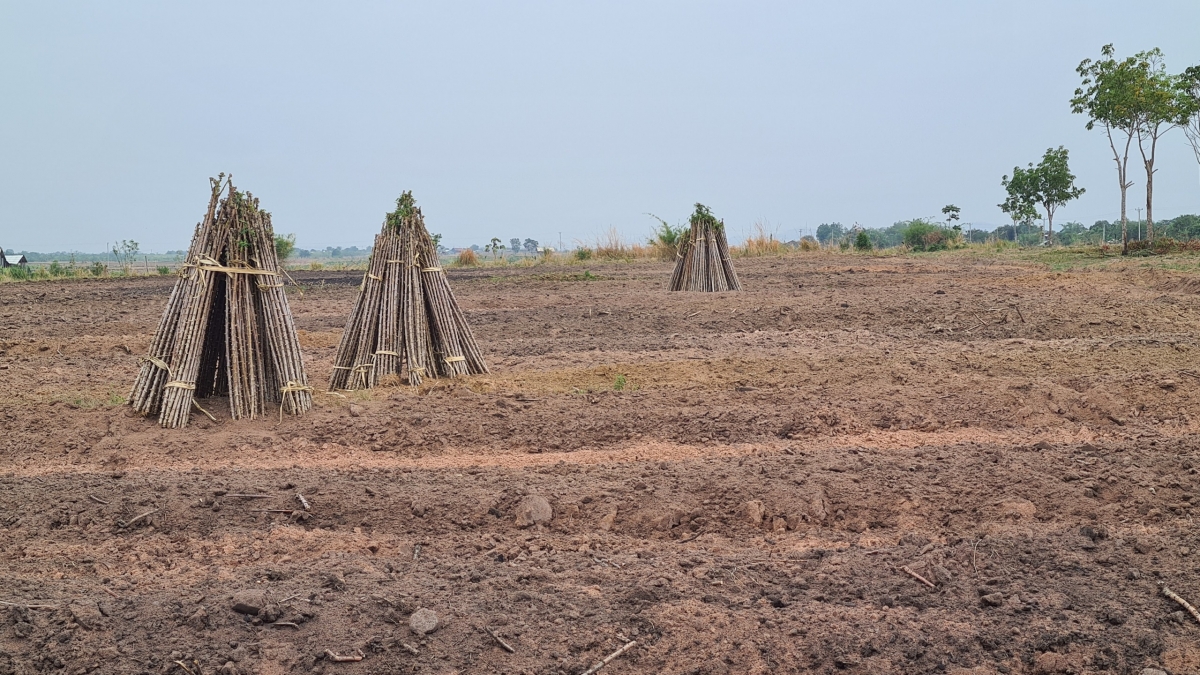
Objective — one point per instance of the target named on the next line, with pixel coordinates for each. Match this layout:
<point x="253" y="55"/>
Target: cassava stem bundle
<point x="406" y="321"/>
<point x="703" y="263"/>
<point x="227" y="328"/>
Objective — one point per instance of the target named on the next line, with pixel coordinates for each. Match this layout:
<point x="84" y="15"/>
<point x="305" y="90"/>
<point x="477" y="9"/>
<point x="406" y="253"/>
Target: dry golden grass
<point x="760" y="243"/>
<point x="610" y="246"/>
<point x="663" y="251"/>
<point x="467" y="258"/>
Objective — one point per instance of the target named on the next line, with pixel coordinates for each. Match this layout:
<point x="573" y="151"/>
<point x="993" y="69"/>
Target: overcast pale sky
<point x="527" y="119"/>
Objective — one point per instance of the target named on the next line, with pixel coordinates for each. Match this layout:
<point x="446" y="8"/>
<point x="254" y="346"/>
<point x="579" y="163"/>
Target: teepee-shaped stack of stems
<point x="406" y="322"/>
<point x="703" y="263"/>
<point x="227" y="329"/>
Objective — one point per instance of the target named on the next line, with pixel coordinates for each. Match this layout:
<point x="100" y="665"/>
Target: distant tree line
<point x="928" y="234"/>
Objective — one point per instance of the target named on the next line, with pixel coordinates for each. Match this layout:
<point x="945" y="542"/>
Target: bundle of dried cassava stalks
<point x="703" y="263"/>
<point x="227" y="329"/>
<point x="406" y="322"/>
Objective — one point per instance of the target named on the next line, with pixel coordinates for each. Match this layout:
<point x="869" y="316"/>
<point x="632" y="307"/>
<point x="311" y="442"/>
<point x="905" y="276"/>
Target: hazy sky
<point x="526" y="119"/>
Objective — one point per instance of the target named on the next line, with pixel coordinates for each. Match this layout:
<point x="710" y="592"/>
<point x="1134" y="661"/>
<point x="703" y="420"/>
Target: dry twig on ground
<point x="1183" y="603"/>
<point x="336" y="658"/>
<point x="628" y="645"/>
<point x="907" y="570"/>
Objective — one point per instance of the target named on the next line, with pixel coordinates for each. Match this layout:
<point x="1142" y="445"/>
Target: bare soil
<point x="737" y="481"/>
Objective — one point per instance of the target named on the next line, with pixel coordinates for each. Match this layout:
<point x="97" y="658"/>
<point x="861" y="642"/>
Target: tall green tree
<point x="1050" y="185"/>
<point x="951" y="212"/>
<point x="1107" y="96"/>
<point x="1055" y="184"/>
<point x="1020" y="204"/>
<point x="1161" y="103"/>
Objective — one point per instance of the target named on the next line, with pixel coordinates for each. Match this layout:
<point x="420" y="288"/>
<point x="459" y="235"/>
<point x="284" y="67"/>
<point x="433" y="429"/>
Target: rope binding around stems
<point x="292" y="387"/>
<point x="207" y="264"/>
<point x="156" y="362"/>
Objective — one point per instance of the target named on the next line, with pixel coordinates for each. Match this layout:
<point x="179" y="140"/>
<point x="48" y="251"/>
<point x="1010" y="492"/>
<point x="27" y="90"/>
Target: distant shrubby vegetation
<point x="917" y="234"/>
<point x="331" y="252"/>
<point x="922" y="234"/>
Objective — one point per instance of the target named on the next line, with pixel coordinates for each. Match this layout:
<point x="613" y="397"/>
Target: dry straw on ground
<point x="703" y="263"/>
<point x="406" y="321"/>
<point x="227" y="328"/>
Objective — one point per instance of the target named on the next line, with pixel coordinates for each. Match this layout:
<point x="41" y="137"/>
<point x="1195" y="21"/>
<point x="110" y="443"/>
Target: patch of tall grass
<point x="466" y="258"/>
<point x="761" y="242"/>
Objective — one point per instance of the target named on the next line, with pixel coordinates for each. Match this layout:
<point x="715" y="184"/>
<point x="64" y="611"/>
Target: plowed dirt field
<point x="863" y="465"/>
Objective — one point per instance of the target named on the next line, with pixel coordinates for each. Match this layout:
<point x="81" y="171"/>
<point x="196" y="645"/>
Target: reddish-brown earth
<point x="747" y="503"/>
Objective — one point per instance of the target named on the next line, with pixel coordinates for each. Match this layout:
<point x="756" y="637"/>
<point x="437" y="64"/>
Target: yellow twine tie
<point x="292" y="387"/>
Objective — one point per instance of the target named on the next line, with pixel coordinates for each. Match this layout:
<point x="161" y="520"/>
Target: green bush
<point x="285" y="246"/>
<point x="862" y="242"/>
<point x="98" y="269"/>
<point x="922" y="235"/>
<point x="19" y="273"/>
<point x="163" y="270"/>
<point x="583" y="253"/>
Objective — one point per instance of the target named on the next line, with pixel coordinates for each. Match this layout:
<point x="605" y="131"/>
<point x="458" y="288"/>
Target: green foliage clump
<point x="163" y="270"/>
<point x="829" y="232"/>
<point x="862" y="241"/>
<point x="285" y="246"/>
<point x="666" y="238"/>
<point x="19" y="273"/>
<point x="583" y="253"/>
<point x="703" y="216"/>
<point x="406" y="206"/>
<point x="619" y="383"/>
<point x="98" y="269"/>
<point x="923" y="235"/>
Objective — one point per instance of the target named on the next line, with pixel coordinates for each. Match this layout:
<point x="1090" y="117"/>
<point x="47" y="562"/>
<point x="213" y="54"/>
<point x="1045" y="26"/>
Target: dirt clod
<point x="250" y="601"/>
<point x="753" y="512"/>
<point x="86" y="614"/>
<point x="993" y="599"/>
<point x="533" y="510"/>
<point x="423" y="621"/>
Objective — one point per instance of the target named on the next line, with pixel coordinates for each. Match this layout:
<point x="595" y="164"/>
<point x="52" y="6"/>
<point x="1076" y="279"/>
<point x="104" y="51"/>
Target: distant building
<point x="7" y="260"/>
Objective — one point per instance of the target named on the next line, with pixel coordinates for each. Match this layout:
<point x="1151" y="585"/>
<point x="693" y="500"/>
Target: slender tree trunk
<point x="1149" y="164"/>
<point x="1150" y="203"/>
<point x="1150" y="190"/>
<point x="1122" y="172"/>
